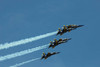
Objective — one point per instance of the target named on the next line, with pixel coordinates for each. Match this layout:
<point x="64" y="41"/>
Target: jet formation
<point x="56" y="42"/>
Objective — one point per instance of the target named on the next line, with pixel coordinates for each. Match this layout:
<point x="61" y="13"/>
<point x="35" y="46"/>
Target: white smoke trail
<point x="24" y="41"/>
<point x="25" y="62"/>
<point x="13" y="55"/>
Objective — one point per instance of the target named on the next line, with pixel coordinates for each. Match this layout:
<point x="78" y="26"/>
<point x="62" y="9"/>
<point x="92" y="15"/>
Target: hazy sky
<point x="21" y="19"/>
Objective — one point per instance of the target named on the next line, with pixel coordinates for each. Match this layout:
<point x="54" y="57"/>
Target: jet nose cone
<point x="69" y="38"/>
<point x="58" y="52"/>
<point x="81" y="25"/>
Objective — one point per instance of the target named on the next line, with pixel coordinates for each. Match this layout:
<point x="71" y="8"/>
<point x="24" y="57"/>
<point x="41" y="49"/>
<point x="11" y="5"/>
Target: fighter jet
<point x="57" y="42"/>
<point x="45" y="56"/>
<point x="67" y="28"/>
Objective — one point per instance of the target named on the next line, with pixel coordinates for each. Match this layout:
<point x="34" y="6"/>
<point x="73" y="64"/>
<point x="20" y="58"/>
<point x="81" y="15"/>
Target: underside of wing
<point x="53" y="47"/>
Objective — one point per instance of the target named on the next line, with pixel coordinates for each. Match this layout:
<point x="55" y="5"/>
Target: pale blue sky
<point x="21" y="19"/>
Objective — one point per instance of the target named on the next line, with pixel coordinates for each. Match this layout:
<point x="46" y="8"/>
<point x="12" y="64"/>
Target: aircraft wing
<point x="53" y="46"/>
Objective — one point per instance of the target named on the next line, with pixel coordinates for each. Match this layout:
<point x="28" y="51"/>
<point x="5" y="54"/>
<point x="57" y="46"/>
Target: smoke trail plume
<point x="25" y="62"/>
<point x="13" y="55"/>
<point x="24" y="41"/>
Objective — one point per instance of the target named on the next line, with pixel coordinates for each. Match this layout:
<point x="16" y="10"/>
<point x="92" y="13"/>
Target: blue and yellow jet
<point x="57" y="42"/>
<point x="45" y="56"/>
<point x="67" y="28"/>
